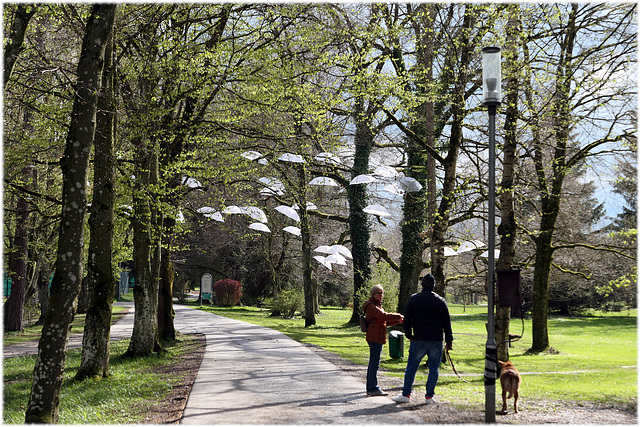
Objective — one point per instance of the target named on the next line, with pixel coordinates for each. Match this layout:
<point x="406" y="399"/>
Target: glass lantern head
<point x="491" y="76"/>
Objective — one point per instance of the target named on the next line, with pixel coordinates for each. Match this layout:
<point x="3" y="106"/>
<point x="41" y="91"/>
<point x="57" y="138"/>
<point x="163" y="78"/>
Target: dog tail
<point x="512" y="385"/>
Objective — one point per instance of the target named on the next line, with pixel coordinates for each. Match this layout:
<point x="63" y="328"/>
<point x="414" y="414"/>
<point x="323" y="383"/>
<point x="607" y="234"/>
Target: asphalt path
<point x="254" y="375"/>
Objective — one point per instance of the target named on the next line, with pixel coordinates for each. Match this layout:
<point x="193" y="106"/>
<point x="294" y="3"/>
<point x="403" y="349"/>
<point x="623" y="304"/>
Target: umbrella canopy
<point x="180" y="217"/>
<point x="449" y="252"/>
<point x="272" y="186"/>
<point x="469" y="245"/>
<point x="233" y="210"/>
<point x="206" y="210"/>
<point x="328" y="158"/>
<point x="336" y="259"/>
<point x="256" y="213"/>
<point x="251" y="155"/>
<point x="342" y="250"/>
<point x="322" y="260"/>
<point x="324" y="180"/>
<point x="376" y="210"/>
<point x="385" y="172"/>
<point x="293" y="158"/>
<point x="191" y="182"/>
<point x="217" y="216"/>
<point x="293" y="230"/>
<point x="260" y="227"/>
<point x="288" y="211"/>
<point x="324" y="249"/>
<point x="408" y="184"/>
<point x="485" y="254"/>
<point x="394" y="189"/>
<point x="362" y="179"/>
<point x="310" y="207"/>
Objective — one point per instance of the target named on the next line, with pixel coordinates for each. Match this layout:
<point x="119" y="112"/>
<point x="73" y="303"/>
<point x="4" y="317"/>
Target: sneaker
<point x="430" y="399"/>
<point x="401" y="399"/>
<point x="377" y="392"/>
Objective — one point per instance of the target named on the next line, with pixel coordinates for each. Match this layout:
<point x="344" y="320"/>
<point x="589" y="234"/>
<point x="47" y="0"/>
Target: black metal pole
<point x="491" y="356"/>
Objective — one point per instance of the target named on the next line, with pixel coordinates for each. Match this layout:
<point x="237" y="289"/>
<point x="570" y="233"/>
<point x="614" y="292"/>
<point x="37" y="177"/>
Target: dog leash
<point x="446" y="350"/>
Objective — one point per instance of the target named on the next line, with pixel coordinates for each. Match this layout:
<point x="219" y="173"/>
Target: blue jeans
<point x="375" y="351"/>
<point x="417" y="351"/>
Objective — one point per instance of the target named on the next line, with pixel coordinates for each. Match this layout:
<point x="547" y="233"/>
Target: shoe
<point x="401" y="399"/>
<point x="377" y="392"/>
<point x="430" y="399"/>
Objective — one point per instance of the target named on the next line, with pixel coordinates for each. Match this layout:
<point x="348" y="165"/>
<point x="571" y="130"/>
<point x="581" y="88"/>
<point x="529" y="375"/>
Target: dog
<point x="510" y="380"/>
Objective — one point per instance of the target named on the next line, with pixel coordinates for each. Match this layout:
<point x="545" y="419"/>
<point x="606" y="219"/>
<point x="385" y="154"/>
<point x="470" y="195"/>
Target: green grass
<point x="125" y="397"/>
<point x="32" y="332"/>
<point x="595" y="357"/>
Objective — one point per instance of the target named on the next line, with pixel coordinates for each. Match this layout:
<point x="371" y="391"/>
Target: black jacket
<point x="426" y="318"/>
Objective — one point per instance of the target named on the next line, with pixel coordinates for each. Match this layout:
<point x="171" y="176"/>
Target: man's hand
<point x="449" y="346"/>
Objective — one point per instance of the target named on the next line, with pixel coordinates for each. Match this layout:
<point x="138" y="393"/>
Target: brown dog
<point x="510" y="381"/>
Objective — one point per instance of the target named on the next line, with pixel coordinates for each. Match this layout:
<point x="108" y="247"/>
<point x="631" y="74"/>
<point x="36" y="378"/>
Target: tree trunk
<point x="14" y="306"/>
<point x="101" y="281"/>
<point x="49" y="368"/>
<point x="13" y="46"/>
<point x="166" y="313"/>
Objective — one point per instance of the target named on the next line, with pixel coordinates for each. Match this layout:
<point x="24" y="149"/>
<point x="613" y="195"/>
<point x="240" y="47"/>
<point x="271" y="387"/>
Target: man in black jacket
<point x="426" y="322"/>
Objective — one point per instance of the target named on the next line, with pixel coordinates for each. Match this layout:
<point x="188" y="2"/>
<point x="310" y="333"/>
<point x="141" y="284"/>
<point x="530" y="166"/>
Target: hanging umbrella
<point x="310" y="207"/>
<point x="342" y="250"/>
<point x="449" y="252"/>
<point x="376" y="210"/>
<point x="362" y="179"/>
<point x="233" y="210"/>
<point x="469" y="245"/>
<point x="180" y="217"/>
<point x="191" y="182"/>
<point x="324" y="250"/>
<point x="385" y="172"/>
<point x="272" y="186"/>
<point x="322" y="260"/>
<point x="206" y="210"/>
<point x="293" y="230"/>
<point x="408" y="184"/>
<point x="336" y="259"/>
<point x="288" y="211"/>
<point x="260" y="227"/>
<point x="217" y="216"/>
<point x="328" y="158"/>
<point x="251" y="155"/>
<point x="394" y="189"/>
<point x="324" y="180"/>
<point x="256" y="213"/>
<point x="496" y="253"/>
<point x="293" y="158"/>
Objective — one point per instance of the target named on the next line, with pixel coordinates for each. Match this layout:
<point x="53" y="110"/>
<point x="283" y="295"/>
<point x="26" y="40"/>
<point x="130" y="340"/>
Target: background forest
<point x="309" y="151"/>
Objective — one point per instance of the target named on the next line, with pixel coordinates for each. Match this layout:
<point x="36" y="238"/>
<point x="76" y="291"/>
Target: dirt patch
<point x="184" y="369"/>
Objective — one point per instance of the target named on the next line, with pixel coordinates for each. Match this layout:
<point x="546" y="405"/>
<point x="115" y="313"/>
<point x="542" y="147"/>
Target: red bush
<point x="227" y="292"/>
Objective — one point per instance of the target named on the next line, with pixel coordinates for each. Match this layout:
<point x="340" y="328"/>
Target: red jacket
<point x="378" y="320"/>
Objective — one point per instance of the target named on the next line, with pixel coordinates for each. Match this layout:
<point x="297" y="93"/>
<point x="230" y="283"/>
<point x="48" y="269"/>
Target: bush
<point x="287" y="303"/>
<point x="227" y="292"/>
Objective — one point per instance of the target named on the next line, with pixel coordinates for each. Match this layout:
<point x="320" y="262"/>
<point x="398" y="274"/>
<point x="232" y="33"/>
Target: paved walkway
<point x="255" y="375"/>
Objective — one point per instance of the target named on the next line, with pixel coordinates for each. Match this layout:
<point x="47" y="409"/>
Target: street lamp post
<point x="492" y="98"/>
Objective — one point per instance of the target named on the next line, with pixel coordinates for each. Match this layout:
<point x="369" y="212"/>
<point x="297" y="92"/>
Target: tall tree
<point x="49" y="368"/>
<point x="13" y="45"/>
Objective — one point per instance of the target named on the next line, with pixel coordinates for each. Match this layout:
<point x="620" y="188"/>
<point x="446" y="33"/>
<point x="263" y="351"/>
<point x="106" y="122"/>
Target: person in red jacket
<point x="378" y="320"/>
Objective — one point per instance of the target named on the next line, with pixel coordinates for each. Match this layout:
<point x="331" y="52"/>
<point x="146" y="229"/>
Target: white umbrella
<point x="449" y="252"/>
<point x="409" y="184"/>
<point x="206" y="210"/>
<point x="324" y="249"/>
<point x="288" y="211"/>
<point x="328" y="158"/>
<point x="191" y="182"/>
<point x="293" y="230"/>
<point x="342" y="250"/>
<point x="362" y="179"/>
<point x="322" y="260"/>
<point x="385" y="172"/>
<point x="256" y="213"/>
<point x="260" y="227"/>
<point x="469" y="245"/>
<point x="217" y="216"/>
<point x="485" y="254"/>
<point x="251" y="155"/>
<point x="233" y="210"/>
<point x="293" y="158"/>
<point x="336" y="259"/>
<point x="180" y="217"/>
<point x="394" y="189"/>
<point x="272" y="186"/>
<point x="324" y="180"/>
<point x="310" y="207"/>
<point x="376" y="210"/>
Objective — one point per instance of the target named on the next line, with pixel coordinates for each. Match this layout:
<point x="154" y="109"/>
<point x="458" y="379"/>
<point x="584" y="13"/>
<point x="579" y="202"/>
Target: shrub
<point x="287" y="303"/>
<point x="227" y="292"/>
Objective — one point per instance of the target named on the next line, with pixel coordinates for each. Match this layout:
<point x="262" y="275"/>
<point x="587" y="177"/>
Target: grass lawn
<point x="595" y="357"/>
